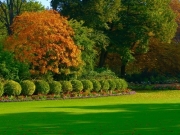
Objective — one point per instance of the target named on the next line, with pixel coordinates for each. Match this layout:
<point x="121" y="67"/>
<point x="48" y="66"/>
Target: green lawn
<point x="145" y="113"/>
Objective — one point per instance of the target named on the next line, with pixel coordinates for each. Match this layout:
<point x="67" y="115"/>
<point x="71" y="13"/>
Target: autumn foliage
<point x="43" y="39"/>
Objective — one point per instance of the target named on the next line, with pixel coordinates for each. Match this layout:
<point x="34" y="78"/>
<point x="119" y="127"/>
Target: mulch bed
<point x="51" y="97"/>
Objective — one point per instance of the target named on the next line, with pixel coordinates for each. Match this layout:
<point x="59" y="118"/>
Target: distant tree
<point x="12" y="8"/>
<point x="139" y="21"/>
<point x="96" y="14"/>
<point x="175" y="5"/>
<point x="44" y="40"/>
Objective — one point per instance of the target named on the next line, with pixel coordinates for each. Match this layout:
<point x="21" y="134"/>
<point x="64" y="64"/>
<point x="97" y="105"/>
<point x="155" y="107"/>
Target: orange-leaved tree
<point x="43" y="39"/>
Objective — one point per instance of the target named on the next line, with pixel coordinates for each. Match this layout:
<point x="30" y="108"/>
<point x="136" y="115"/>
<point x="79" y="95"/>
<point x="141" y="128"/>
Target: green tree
<point x="12" y="8"/>
<point x="83" y="39"/>
<point x="129" y="24"/>
<point x="96" y="14"/>
<point x="141" y="20"/>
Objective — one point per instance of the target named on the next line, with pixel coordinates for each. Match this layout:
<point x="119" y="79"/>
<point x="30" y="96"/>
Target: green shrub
<point x="55" y="87"/>
<point x="12" y="88"/>
<point x="112" y="84"/>
<point x="66" y="86"/>
<point x="42" y="87"/>
<point x="124" y="84"/>
<point x="77" y="85"/>
<point x="104" y="85"/>
<point x="1" y="89"/>
<point x="100" y="74"/>
<point x="96" y="85"/>
<point x="87" y="85"/>
<point x="10" y="68"/>
<point x="28" y="87"/>
<point x="121" y="84"/>
<point x="118" y="84"/>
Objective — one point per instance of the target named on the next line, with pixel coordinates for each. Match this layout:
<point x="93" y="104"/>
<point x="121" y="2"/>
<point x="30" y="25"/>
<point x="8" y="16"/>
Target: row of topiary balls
<point x="30" y="87"/>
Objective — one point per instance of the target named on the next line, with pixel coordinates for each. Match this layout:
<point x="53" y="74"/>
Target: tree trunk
<point x="102" y="59"/>
<point x="123" y="70"/>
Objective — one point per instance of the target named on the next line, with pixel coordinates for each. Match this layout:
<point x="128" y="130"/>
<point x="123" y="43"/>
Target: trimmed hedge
<point x="121" y="84"/>
<point x="104" y="85"/>
<point x="28" y="87"/>
<point x="55" y="87"/>
<point x="12" y="88"/>
<point x="112" y="84"/>
<point x="66" y="86"/>
<point x="1" y="89"/>
<point x="87" y="85"/>
<point x="96" y="85"/>
<point x="77" y="85"/>
<point x="42" y="87"/>
<point x="124" y="84"/>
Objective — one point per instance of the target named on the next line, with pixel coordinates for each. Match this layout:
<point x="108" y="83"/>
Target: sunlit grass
<point x="144" y="113"/>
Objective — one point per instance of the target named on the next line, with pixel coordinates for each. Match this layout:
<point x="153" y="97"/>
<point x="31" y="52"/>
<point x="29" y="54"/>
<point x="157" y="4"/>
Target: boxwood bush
<point x="118" y="84"/>
<point x="96" y="85"/>
<point x="42" y="87"/>
<point x="1" y="89"/>
<point x="121" y="84"/>
<point x="112" y="84"/>
<point x="55" y="87"/>
<point x="87" y="85"/>
<point x="124" y="84"/>
<point x="66" y="86"/>
<point x="12" y="88"/>
<point x="77" y="85"/>
<point x="28" y="87"/>
<point x="104" y="85"/>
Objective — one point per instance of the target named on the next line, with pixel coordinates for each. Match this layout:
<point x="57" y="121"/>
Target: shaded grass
<point x="145" y="113"/>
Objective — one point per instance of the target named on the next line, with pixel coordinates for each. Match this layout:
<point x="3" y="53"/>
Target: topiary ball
<point x="55" y="87"/>
<point x="1" y="89"/>
<point x="66" y="86"/>
<point x="28" y="87"/>
<point x="42" y="87"/>
<point x="104" y="85"/>
<point x="112" y="84"/>
<point x="12" y="88"/>
<point x="87" y="85"/>
<point x="96" y="85"/>
<point x="77" y="85"/>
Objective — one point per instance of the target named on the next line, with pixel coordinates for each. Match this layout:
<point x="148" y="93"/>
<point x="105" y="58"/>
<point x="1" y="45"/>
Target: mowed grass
<point x="145" y="113"/>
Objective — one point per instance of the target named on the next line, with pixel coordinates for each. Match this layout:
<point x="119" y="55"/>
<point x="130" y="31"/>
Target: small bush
<point x="55" y="87"/>
<point x="112" y="84"/>
<point x="104" y="85"/>
<point x="28" y="87"/>
<point x="121" y="84"/>
<point x="1" y="89"/>
<point x="118" y="84"/>
<point x="12" y="88"/>
<point x="96" y="85"/>
<point x="87" y="85"/>
<point x="66" y="86"/>
<point x="77" y="85"/>
<point x="124" y="84"/>
<point x="42" y="87"/>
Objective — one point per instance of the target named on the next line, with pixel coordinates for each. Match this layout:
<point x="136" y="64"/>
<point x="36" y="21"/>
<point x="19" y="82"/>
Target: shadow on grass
<point x="120" y="119"/>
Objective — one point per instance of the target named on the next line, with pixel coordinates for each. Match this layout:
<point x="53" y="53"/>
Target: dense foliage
<point x="42" y="87"/>
<point x="10" y="68"/>
<point x="43" y="40"/>
<point x="28" y="87"/>
<point x="55" y="87"/>
<point x="12" y="88"/>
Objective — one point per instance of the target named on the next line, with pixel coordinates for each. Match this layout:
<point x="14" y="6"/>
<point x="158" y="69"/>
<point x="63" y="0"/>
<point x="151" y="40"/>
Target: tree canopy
<point x="44" y="40"/>
<point x="12" y="8"/>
